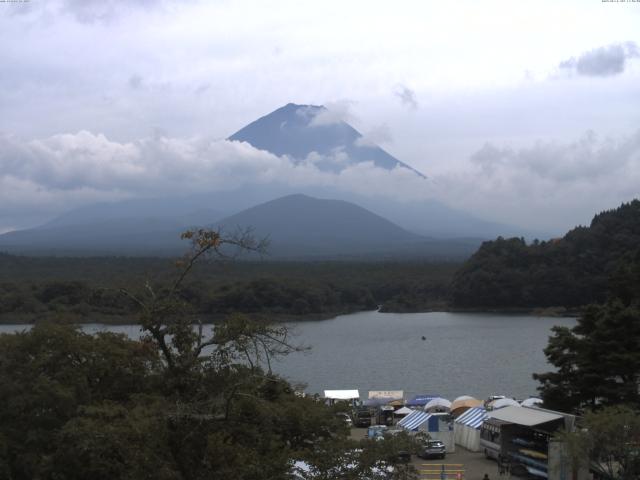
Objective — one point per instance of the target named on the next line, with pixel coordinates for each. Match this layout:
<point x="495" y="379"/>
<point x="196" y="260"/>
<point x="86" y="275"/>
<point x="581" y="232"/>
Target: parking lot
<point x="468" y="465"/>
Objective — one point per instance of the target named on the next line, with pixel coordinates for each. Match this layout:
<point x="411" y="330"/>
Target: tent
<point x="462" y="398"/>
<point x="341" y="394"/>
<point x="414" y="420"/>
<point x="464" y="403"/>
<point x="437" y="405"/>
<point x="530" y="402"/>
<point x="467" y="428"/>
<point x="331" y="396"/>
<point x="503" y="402"/>
<point x="420" y="400"/>
<point x="437" y="425"/>
<point x="403" y="411"/>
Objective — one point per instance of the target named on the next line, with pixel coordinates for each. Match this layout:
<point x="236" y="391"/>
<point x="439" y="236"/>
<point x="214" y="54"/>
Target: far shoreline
<point x="212" y="319"/>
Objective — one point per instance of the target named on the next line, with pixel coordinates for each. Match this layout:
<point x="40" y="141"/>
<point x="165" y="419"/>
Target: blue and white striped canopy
<point x="414" y="420"/>
<point x="474" y="417"/>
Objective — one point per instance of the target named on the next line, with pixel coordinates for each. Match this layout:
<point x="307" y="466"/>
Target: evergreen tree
<point x="597" y="361"/>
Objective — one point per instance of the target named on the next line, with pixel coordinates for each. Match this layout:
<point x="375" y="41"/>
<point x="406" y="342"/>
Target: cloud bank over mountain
<point x="43" y="177"/>
<point x="162" y="78"/>
<point x="548" y="180"/>
<point x="67" y="170"/>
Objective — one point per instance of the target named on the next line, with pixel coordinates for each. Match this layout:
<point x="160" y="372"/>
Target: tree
<point x="179" y="404"/>
<point x="48" y="374"/>
<point x="610" y="439"/>
<point x="597" y="361"/>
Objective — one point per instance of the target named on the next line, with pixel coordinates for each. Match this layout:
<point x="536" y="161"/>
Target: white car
<point x="346" y="418"/>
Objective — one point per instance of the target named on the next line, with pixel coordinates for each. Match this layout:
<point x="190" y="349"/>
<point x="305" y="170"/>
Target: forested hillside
<point x="88" y="289"/>
<point x="578" y="269"/>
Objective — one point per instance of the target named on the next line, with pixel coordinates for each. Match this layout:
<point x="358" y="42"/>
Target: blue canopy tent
<point x="420" y="400"/>
<point x="415" y="420"/>
<point x="438" y="426"/>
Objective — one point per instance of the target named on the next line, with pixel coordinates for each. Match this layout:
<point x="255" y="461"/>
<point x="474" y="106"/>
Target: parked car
<point x="362" y="418"/>
<point x="345" y="416"/>
<point x="433" y="449"/>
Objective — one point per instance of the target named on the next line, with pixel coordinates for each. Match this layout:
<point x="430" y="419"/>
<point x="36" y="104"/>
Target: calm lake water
<point x="462" y="354"/>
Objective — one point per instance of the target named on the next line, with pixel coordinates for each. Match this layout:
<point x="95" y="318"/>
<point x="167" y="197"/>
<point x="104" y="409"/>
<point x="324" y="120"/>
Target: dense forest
<point x="89" y="289"/>
<point x="583" y="267"/>
<point x="573" y="271"/>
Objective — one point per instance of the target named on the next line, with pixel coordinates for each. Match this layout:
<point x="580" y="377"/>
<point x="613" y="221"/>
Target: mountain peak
<point x="298" y="131"/>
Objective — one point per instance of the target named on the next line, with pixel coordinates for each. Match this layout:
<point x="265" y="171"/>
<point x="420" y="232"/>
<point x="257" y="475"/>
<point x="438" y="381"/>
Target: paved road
<point x="470" y="465"/>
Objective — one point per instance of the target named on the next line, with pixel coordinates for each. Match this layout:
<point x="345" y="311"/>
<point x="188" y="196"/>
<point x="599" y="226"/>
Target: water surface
<point x="462" y="353"/>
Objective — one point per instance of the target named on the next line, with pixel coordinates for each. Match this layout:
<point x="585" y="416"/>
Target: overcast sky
<point x="521" y="112"/>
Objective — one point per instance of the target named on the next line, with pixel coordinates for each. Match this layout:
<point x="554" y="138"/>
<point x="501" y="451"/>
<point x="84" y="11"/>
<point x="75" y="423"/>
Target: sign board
<point x="393" y="394"/>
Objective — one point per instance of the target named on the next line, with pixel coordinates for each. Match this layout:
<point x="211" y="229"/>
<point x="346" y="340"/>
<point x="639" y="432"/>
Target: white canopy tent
<point x="503" y="402"/>
<point x="332" y="396"/>
<point x="403" y="411"/>
<point x="531" y="402"/>
<point x="438" y="405"/>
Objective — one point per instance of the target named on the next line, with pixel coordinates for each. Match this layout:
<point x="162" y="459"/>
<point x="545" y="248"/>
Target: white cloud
<point x="334" y="112"/>
<point x="104" y="11"/>
<point x="208" y="68"/>
<point x="375" y="136"/>
<point x="57" y="173"/>
<point x="548" y="185"/>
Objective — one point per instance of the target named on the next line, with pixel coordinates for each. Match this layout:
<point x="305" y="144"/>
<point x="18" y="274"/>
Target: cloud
<point x="202" y="88"/>
<point x="603" y="61"/>
<point x="547" y="184"/>
<point x="135" y="82"/>
<point x="335" y="112"/>
<point x="44" y="177"/>
<point x="104" y="11"/>
<point x="407" y="97"/>
<point x="375" y="136"/>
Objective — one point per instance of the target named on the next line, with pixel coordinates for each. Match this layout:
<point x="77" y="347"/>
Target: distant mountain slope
<point x="299" y="227"/>
<point x="580" y="268"/>
<point x="299" y="130"/>
<point x="300" y="220"/>
<point x="303" y="227"/>
<point x="137" y="236"/>
<point x="189" y="210"/>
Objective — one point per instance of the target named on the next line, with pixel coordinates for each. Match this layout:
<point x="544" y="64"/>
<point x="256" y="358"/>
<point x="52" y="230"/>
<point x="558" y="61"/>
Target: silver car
<point x="433" y="449"/>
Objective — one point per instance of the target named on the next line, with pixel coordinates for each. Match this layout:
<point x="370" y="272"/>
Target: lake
<point x="477" y="354"/>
